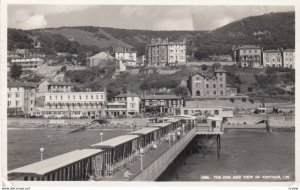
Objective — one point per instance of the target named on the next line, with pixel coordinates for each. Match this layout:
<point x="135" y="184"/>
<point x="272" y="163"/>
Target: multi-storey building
<point x="116" y="109"/>
<point x="132" y="101"/>
<point x="74" y="104"/>
<point x="288" y="58"/>
<point x="164" y="53"/>
<point x="161" y="104"/>
<point x="129" y="57"/>
<point x="208" y="84"/>
<point x="247" y="56"/>
<point x="272" y="58"/>
<point x="27" y="63"/>
<point x="20" y="98"/>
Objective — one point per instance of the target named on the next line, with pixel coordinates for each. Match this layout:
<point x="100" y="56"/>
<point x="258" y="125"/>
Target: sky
<point x="154" y="17"/>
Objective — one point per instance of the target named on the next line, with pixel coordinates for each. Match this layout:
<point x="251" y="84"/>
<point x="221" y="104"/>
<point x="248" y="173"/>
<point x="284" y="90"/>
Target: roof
<point x="160" y="125"/>
<point x="289" y="50"/>
<point x="169" y="119"/>
<point x="215" y="118"/>
<point x="249" y="47"/>
<point x="20" y="84"/>
<point x="111" y="143"/>
<point x="186" y="117"/>
<point x="271" y="51"/>
<point x="54" y="163"/>
<point x="144" y="131"/>
<point x="102" y="55"/>
<point x="128" y="94"/>
<point x="161" y="97"/>
<point x="220" y="70"/>
<point x="51" y="83"/>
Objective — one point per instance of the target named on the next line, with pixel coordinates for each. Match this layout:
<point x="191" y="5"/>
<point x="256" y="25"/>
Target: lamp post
<point x="42" y="152"/>
<point x="169" y="135"/>
<point x="141" y="154"/>
<point x="101" y="135"/>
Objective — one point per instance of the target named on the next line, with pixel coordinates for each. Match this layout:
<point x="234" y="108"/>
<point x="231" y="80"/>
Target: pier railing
<point x="154" y="169"/>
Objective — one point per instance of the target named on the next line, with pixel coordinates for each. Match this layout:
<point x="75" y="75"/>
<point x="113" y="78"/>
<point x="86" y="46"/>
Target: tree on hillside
<point x="204" y="67"/>
<point x="15" y="71"/>
<point x="181" y="91"/>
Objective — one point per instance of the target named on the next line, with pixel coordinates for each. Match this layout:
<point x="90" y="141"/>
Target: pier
<point x="146" y="152"/>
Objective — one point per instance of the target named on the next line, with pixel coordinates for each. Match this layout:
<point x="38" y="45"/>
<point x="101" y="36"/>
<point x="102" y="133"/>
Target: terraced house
<point x="272" y="58"/>
<point x="247" y="56"/>
<point x="20" y="99"/>
<point x="288" y="58"/>
<point x="74" y="104"/>
<point x="164" y="53"/>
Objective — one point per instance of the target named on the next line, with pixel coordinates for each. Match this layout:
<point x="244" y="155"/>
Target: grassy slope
<point x="89" y="38"/>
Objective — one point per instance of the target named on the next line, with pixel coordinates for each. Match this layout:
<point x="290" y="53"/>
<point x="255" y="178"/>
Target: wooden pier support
<point x="218" y="145"/>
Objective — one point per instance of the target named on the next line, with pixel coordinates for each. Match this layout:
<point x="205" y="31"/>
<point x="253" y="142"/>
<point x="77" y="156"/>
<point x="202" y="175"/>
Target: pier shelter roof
<point x="49" y="165"/>
<point x="114" y="142"/>
<point x="144" y="131"/>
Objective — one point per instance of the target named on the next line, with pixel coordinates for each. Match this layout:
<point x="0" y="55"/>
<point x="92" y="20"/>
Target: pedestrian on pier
<point x="178" y="134"/>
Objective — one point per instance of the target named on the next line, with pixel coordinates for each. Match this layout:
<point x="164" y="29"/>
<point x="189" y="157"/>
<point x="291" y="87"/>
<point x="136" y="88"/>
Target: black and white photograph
<point x="150" y="93"/>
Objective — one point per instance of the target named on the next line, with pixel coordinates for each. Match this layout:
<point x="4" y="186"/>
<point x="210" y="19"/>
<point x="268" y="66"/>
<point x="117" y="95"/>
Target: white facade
<point x="288" y="57"/>
<point x="132" y="102"/>
<point x="28" y="63"/>
<point x="272" y="58"/>
<point x="74" y="104"/>
<point x="176" y="53"/>
<point x="129" y="56"/>
<point x="20" y="99"/>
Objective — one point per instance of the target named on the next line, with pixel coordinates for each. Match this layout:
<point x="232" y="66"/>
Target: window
<point x="216" y="112"/>
<point x="9" y="95"/>
<point x="31" y="102"/>
<point x="221" y="92"/>
<point x="221" y="78"/>
<point x="214" y="85"/>
<point x="207" y="85"/>
<point x="61" y="97"/>
<point x="17" y="103"/>
<point x="17" y="95"/>
<point x="91" y="96"/>
<point x="73" y="97"/>
<point x="50" y="97"/>
<point x="56" y="97"/>
<point x="97" y="97"/>
<point x="68" y="97"/>
<point x="101" y="97"/>
<point x="221" y="85"/>
<point x="9" y="103"/>
<point x="215" y="92"/>
<point x="79" y="97"/>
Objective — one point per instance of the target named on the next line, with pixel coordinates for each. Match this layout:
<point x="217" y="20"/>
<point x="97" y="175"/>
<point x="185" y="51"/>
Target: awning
<point x="49" y="165"/>
<point x="112" y="143"/>
<point x="144" y="131"/>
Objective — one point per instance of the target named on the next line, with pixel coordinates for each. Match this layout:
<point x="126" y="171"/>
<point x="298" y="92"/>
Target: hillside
<point x="272" y="30"/>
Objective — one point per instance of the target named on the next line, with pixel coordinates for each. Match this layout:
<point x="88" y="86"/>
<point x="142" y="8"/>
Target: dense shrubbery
<point x="83" y="76"/>
<point x="158" y="82"/>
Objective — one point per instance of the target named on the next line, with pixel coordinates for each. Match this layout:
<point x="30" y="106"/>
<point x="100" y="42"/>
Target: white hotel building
<point x="74" y="104"/>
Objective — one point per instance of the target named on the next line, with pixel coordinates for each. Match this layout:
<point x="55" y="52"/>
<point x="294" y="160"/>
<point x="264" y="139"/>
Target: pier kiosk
<point x="77" y="165"/>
